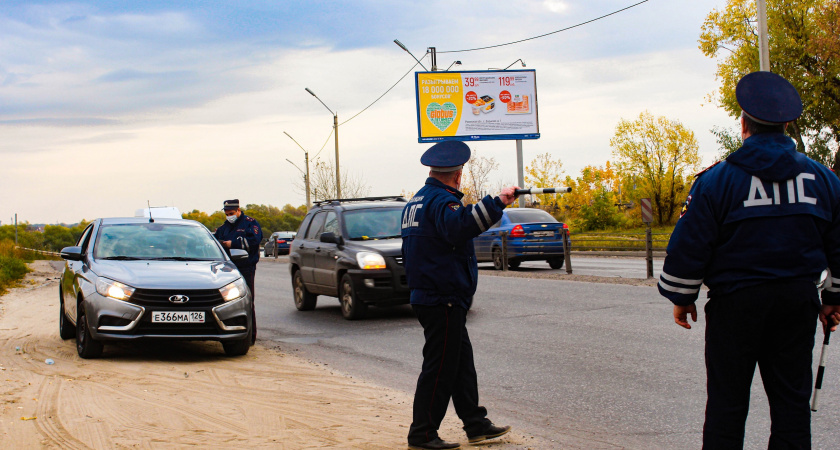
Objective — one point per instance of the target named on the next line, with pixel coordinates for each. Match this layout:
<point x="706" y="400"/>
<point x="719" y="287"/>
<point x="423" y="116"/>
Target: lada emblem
<point x="179" y="299"/>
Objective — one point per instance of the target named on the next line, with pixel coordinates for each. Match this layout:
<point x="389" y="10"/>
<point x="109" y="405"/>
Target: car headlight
<point x="234" y="290"/>
<point x="113" y="289"/>
<point x="370" y="260"/>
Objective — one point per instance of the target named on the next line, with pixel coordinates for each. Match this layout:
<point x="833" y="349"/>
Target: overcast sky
<point x="105" y="105"/>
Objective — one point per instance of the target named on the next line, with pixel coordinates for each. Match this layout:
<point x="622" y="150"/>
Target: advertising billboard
<point x="476" y="106"/>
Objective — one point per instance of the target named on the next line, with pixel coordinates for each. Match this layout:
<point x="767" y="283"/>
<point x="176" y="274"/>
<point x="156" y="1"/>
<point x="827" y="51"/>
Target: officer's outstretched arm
<point x="459" y="224"/>
<point x="690" y="249"/>
<point x="252" y="238"/>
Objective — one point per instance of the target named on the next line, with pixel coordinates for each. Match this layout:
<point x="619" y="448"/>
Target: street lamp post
<point x="305" y="175"/>
<point x="335" y="127"/>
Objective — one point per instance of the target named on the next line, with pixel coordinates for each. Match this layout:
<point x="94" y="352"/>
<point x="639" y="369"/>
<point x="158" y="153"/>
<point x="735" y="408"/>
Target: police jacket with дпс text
<point x="245" y="233"/>
<point x="765" y="214"/>
<point x="437" y="232"/>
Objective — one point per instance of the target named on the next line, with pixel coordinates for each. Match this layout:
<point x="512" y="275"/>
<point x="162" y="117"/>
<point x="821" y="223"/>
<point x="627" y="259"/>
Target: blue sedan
<point x="533" y="235"/>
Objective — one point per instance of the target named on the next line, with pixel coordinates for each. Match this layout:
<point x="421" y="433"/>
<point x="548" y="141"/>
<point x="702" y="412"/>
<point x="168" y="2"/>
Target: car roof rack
<point x="338" y="201"/>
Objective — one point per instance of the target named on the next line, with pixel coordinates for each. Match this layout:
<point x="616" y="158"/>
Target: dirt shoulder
<point x="172" y="395"/>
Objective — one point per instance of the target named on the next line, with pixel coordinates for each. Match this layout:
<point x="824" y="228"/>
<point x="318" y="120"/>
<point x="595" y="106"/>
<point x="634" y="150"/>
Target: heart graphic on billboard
<point x="442" y="116"/>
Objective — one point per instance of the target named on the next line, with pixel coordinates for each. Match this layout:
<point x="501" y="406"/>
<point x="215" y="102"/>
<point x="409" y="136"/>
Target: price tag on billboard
<point x="474" y="106"/>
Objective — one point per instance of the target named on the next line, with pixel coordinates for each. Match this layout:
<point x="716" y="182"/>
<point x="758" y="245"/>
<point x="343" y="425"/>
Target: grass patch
<point x="620" y="240"/>
<point x="13" y="265"/>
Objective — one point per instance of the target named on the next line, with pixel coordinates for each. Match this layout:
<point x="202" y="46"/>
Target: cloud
<point x="556" y="6"/>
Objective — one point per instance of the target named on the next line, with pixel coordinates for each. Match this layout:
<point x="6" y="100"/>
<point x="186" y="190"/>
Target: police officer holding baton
<point x="242" y="232"/>
<point x="758" y="229"/>
<point x="437" y="232"/>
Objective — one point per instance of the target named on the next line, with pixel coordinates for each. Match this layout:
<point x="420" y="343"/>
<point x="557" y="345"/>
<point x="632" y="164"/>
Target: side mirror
<point x="72" y="253"/>
<point x="237" y="254"/>
<point x="331" y="238"/>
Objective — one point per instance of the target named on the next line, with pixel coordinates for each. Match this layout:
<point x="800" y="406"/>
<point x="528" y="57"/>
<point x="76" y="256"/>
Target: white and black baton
<point x="821" y="370"/>
<point x="535" y="191"/>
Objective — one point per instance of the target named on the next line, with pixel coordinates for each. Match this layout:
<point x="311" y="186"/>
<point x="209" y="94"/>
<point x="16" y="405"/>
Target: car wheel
<point x="86" y="345"/>
<point x="514" y="264"/>
<point x="556" y="263"/>
<point x="304" y="300"/>
<point x="65" y="329"/>
<point x="351" y="307"/>
<point x="497" y="259"/>
<point x="238" y="347"/>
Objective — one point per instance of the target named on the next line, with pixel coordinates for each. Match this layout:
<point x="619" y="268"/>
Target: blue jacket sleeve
<point x="831" y="243"/>
<point x="459" y="224"/>
<point x="689" y="249"/>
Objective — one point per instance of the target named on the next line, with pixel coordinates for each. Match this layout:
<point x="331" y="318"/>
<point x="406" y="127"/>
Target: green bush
<point x="12" y="265"/>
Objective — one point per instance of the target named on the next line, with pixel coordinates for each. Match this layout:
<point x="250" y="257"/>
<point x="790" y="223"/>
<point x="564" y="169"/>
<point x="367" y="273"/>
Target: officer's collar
<point x="435" y="182"/>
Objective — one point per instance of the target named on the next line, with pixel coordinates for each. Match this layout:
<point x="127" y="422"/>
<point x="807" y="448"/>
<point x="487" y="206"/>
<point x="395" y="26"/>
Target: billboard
<point x="476" y="106"/>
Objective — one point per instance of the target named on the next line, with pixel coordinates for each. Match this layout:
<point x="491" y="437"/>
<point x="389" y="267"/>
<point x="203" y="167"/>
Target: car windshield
<point x="374" y="223"/>
<point x="127" y="241"/>
<point x="530" y="216"/>
<point x="286" y="235"/>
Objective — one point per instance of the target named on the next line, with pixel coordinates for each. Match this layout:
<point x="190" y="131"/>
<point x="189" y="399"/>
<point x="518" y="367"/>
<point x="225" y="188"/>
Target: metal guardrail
<point x="45" y="252"/>
<point x="598" y="242"/>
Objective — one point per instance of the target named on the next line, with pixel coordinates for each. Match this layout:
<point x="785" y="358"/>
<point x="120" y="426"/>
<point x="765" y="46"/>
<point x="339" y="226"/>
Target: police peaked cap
<point x="446" y="156"/>
<point x="231" y="204"/>
<point x="768" y="98"/>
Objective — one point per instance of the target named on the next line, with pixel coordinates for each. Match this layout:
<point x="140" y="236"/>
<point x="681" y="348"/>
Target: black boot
<point x="436" y="444"/>
<point x="490" y="432"/>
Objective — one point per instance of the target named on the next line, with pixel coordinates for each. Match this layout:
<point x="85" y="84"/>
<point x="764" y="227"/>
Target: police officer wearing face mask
<point x="758" y="229"/>
<point x="437" y="231"/>
<point x="242" y="232"/>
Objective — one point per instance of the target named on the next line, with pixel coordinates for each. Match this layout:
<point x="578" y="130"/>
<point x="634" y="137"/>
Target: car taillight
<point x="517" y="231"/>
<point x="281" y="241"/>
<point x="566" y="228"/>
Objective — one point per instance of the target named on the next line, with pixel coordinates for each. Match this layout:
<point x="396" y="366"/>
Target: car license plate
<point x="543" y="233"/>
<point x="178" y="317"/>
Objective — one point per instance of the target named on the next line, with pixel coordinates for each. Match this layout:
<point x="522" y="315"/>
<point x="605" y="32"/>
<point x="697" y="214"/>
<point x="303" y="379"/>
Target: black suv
<point x="350" y="249"/>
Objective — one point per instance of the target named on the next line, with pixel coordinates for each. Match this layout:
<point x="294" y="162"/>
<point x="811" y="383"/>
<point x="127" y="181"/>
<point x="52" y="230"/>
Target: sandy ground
<point x="173" y="395"/>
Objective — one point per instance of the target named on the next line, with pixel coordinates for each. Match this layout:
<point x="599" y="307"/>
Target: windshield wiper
<point x="122" y="258"/>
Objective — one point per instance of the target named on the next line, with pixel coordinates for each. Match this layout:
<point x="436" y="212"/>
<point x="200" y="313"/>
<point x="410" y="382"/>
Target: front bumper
<point x="381" y="287"/>
<point x="112" y="319"/>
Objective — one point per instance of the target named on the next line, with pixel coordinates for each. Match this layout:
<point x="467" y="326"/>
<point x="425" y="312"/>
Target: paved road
<point x="584" y="365"/>
<point x="599" y="266"/>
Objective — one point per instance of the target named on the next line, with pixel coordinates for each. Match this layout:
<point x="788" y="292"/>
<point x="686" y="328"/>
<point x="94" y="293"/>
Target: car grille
<point x="176" y="329"/>
<point x="160" y="297"/>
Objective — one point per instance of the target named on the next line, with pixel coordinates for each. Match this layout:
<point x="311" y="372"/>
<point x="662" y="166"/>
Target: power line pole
<point x="763" y="45"/>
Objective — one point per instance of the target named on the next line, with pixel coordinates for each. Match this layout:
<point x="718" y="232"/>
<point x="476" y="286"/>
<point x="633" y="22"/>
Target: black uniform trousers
<point x="448" y="372"/>
<point x="248" y="273"/>
<point x="772" y="325"/>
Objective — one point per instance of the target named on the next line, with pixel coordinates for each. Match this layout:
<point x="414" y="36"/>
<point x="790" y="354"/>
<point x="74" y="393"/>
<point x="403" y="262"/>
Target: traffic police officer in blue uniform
<point x="437" y="232"/>
<point x="758" y="229"/>
<point x="242" y="232"/>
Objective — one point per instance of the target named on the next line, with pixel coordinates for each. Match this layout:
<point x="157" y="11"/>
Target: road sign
<point x="647" y="211"/>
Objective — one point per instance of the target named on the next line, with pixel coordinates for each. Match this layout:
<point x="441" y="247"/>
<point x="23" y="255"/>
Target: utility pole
<point x="763" y="45"/>
<point x="520" y="170"/>
<point x="337" y="173"/>
<point x="16" y="240"/>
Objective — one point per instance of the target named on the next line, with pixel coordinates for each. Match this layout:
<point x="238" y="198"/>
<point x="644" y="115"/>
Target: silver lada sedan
<point x="136" y="278"/>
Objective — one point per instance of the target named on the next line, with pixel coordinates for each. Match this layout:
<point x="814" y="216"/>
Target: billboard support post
<point x="520" y="169"/>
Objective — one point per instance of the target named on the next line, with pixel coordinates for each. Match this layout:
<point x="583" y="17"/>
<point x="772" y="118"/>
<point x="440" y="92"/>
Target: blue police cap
<point x="231" y="204"/>
<point x="768" y="98"/>
<point x="446" y="156"/>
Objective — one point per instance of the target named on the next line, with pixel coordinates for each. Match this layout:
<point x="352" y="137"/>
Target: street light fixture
<point x="335" y="127"/>
<point x="508" y="67"/>
<point x="412" y="55"/>
<point x="454" y="63"/>
<point x="305" y="174"/>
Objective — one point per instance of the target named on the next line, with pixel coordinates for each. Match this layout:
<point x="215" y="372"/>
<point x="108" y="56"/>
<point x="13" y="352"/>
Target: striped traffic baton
<point x="821" y="370"/>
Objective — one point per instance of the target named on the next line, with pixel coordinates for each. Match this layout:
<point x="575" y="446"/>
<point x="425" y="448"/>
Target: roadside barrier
<point x="45" y="252"/>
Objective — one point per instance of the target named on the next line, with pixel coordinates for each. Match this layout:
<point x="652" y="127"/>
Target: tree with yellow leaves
<point x="594" y="199"/>
<point x="662" y="154"/>
<point x="545" y="172"/>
